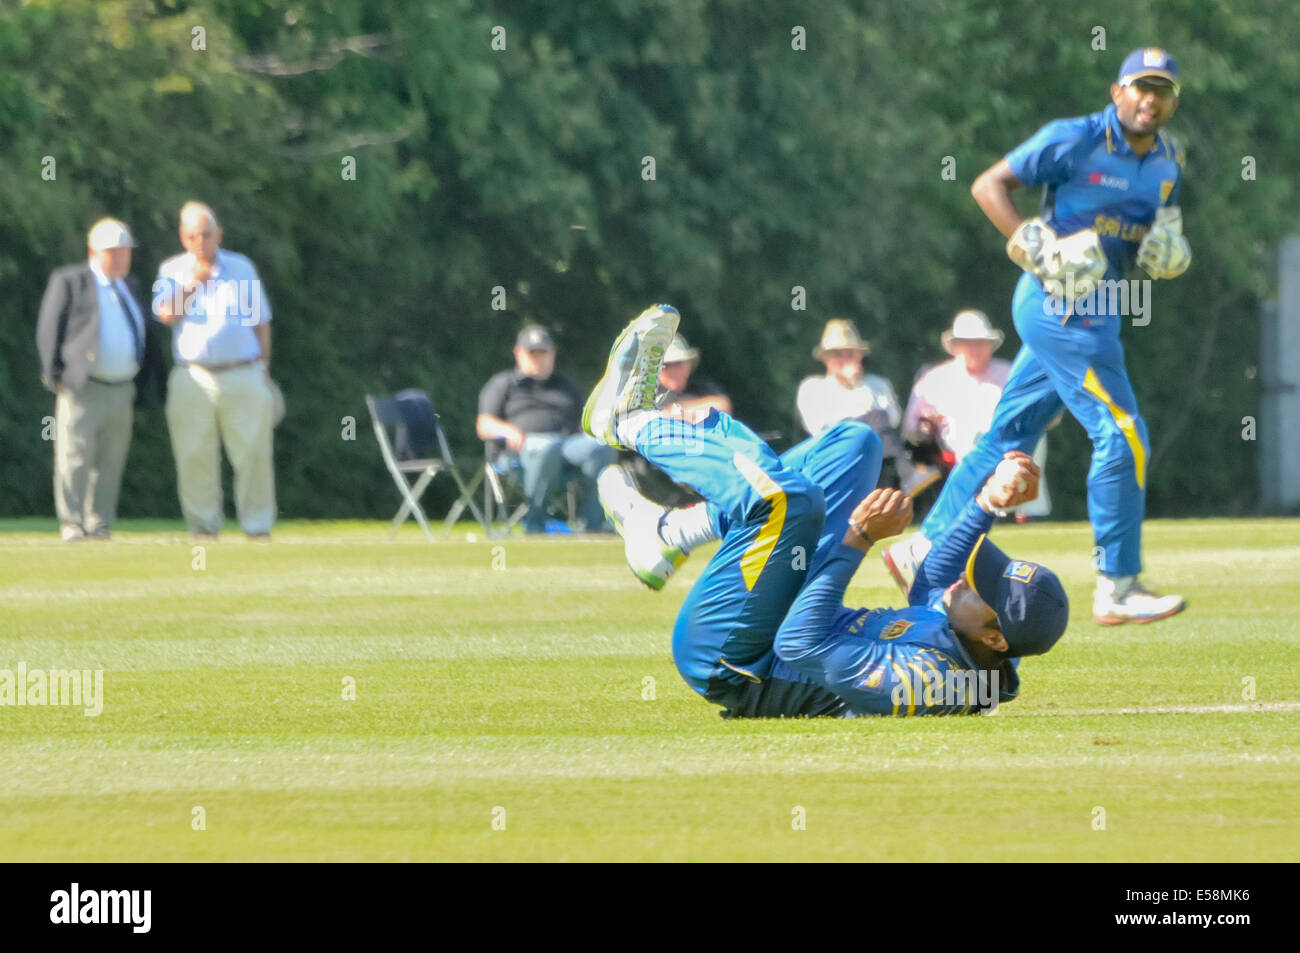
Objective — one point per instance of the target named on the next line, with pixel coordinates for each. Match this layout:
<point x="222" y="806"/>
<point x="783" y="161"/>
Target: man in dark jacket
<point x="100" y="357"/>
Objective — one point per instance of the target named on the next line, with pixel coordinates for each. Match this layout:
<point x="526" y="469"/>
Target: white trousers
<point x="206" y="409"/>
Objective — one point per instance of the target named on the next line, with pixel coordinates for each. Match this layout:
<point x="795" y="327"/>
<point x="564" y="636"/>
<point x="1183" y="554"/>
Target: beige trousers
<point x="92" y="434"/>
<point x="206" y="409"/>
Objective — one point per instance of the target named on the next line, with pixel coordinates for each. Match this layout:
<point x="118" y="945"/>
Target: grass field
<point x="521" y="687"/>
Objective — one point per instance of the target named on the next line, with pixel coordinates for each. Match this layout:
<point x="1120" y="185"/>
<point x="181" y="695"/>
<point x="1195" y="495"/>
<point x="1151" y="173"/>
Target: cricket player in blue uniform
<point x="764" y="631"/>
<point x="1111" y="185"/>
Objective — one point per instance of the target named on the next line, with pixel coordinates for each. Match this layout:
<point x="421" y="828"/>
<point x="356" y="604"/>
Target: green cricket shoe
<point x="637" y="520"/>
<point x="631" y="375"/>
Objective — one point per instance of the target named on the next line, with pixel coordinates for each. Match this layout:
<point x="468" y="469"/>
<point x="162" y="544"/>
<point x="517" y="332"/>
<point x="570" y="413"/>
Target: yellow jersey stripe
<point x="1125" y="422"/>
<point x="970" y="560"/>
<point x="907" y="684"/>
<point x="923" y="681"/>
<point x="755" y="558"/>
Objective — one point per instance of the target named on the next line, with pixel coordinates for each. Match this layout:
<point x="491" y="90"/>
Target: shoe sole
<point x="602" y="389"/>
<point x="616" y="473"/>
<point x="1123" y="620"/>
<point x="599" y="391"/>
<point x="645" y="577"/>
<point x="653" y="582"/>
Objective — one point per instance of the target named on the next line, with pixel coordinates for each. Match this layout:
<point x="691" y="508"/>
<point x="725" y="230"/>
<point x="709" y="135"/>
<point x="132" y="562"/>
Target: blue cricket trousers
<point x="779" y="518"/>
<point x="1077" y="361"/>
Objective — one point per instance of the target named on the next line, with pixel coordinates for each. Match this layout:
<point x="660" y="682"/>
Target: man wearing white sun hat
<point x="952" y="403"/>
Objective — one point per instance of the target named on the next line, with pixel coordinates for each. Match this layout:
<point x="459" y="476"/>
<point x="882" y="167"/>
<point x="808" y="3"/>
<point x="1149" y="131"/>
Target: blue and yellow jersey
<point x="909" y="662"/>
<point x="900" y="662"/>
<point x="1094" y="180"/>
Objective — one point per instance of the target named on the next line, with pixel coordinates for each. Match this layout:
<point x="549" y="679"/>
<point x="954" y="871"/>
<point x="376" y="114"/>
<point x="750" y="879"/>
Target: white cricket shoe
<point x="637" y="521"/>
<point x="631" y="376"/>
<point x="903" y="558"/>
<point x="1125" y="599"/>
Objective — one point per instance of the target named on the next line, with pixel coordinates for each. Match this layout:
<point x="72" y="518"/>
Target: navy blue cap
<point x="1150" y="61"/>
<point x="1031" y="604"/>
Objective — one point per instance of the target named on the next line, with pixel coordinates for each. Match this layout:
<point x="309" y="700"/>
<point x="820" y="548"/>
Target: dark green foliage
<point x="522" y="169"/>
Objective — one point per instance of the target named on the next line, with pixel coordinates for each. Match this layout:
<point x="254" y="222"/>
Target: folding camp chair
<point x="416" y="437"/>
<point x="503" y="492"/>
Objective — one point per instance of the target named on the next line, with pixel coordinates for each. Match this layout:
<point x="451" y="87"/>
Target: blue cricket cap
<point x="1149" y="62"/>
<point x="1030" y="601"/>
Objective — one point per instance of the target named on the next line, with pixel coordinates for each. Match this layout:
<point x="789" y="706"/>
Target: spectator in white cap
<point x="100" y="358"/>
<point x="220" y="391"/>
<point x="846" y="392"/>
<point x="684" y="393"/>
<point x="952" y="402"/>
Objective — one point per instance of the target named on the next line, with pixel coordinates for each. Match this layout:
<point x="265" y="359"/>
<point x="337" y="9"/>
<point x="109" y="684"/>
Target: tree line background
<point x="523" y="168"/>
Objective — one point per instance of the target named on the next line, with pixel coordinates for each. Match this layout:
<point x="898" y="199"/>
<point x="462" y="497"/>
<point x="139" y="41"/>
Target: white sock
<point x="687" y="528"/>
<point x="1116" y="587"/>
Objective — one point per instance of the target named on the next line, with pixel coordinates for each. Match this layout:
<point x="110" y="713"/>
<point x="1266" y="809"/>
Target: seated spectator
<point x="537" y="415"/>
<point x="682" y="392"/>
<point x="845" y="392"/>
<point x="952" y="403"/>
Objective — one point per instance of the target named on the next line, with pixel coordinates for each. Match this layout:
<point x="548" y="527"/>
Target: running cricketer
<point x="764" y="632"/>
<point x="1111" y="188"/>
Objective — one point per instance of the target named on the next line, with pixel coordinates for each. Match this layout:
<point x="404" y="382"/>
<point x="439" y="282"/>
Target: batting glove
<point x="1164" y="252"/>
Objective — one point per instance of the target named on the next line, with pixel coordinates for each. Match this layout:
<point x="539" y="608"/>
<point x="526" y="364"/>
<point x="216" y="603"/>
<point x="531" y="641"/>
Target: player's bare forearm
<point x="489" y="427"/>
<point x="992" y="191"/>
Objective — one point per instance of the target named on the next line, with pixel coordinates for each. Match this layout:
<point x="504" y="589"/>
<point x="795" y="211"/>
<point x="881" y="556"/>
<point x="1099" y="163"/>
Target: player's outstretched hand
<point x="882" y="513"/>
<point x="1014" y="482"/>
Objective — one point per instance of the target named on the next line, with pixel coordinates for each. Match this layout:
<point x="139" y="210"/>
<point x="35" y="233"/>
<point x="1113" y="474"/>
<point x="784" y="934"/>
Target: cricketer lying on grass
<point x="764" y="631"/>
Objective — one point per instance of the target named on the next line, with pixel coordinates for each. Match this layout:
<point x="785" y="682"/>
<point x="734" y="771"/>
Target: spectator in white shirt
<point x="220" y="390"/>
<point x="952" y="403"/>
<point x="846" y="392"/>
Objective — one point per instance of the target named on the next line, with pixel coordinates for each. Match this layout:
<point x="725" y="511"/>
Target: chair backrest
<point x="410" y="415"/>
